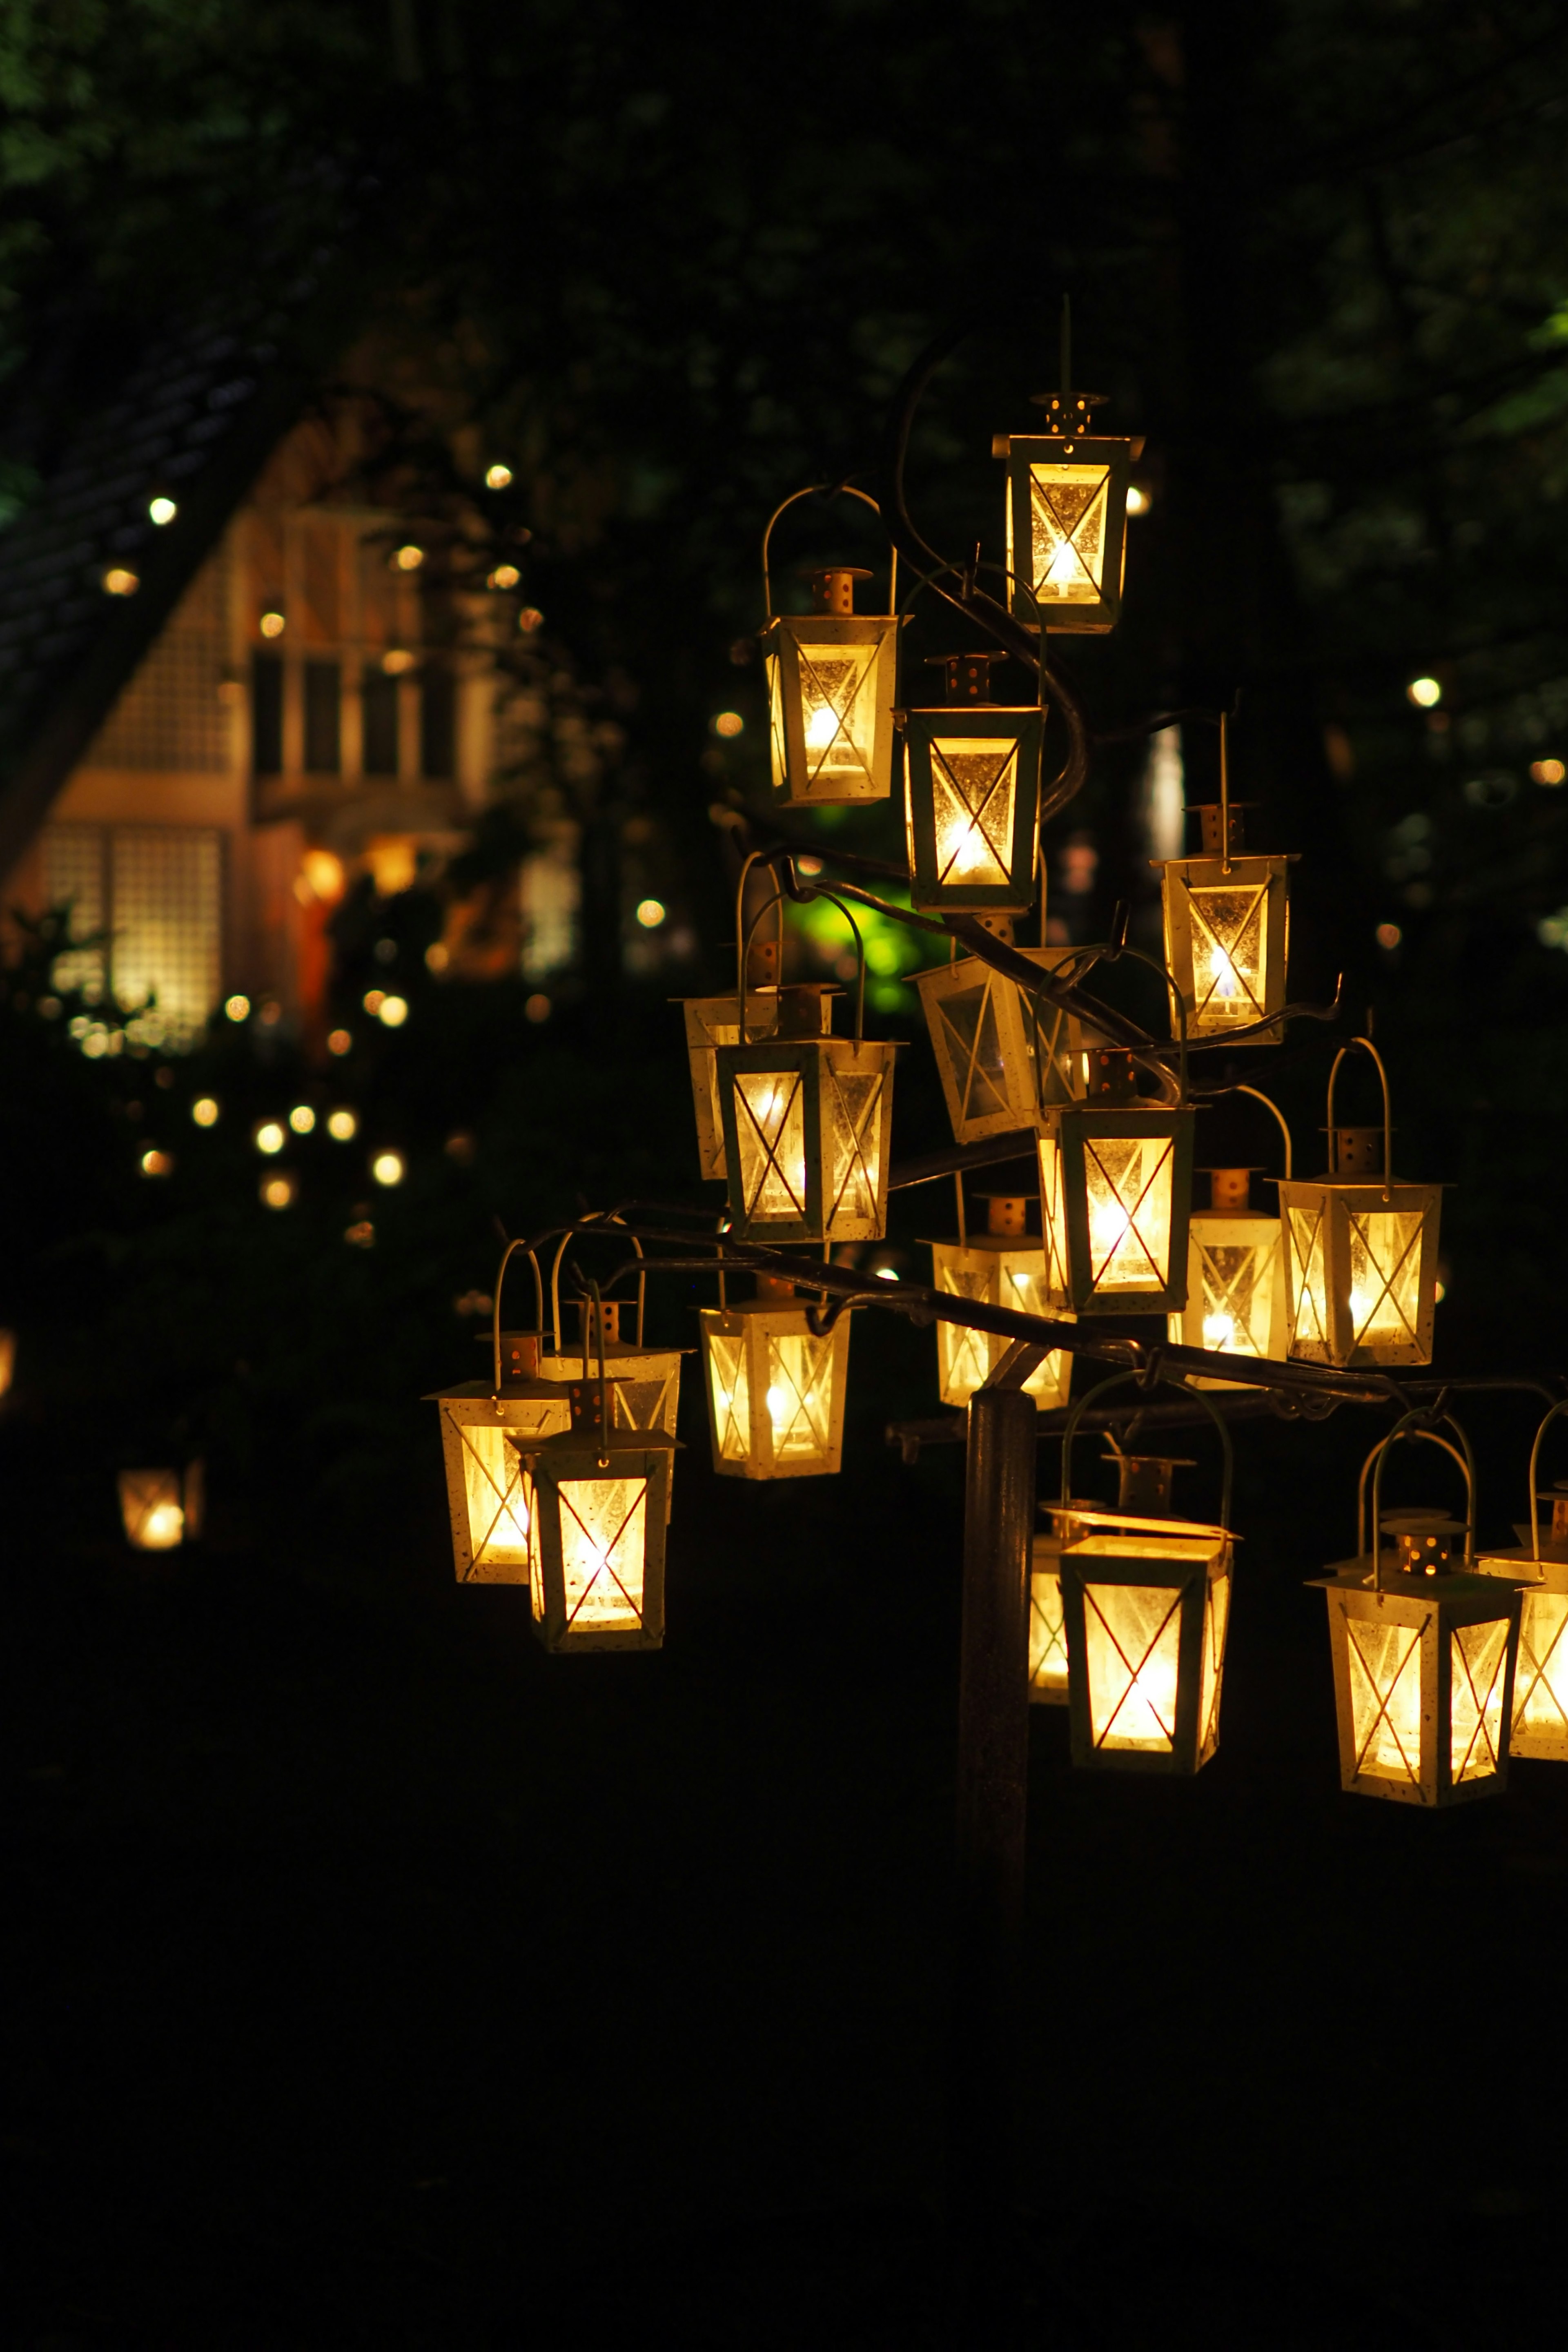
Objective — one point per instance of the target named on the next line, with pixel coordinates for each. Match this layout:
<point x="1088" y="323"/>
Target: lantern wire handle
<point x="1534" y="1497"/>
<point x="1409" y="1427"/>
<point x="825" y="490"/>
<point x="1448" y="1447"/>
<point x="597" y="1306"/>
<point x="746" y="938"/>
<point x="1120" y="1380"/>
<point x="1279" y="1115"/>
<point x="859" y="956"/>
<point x="1387" y="1106"/>
<point x="574" y="1233"/>
<point x="742" y="940"/>
<point x="495" y="1305"/>
<point x="1224" y="792"/>
<point x="1154" y="965"/>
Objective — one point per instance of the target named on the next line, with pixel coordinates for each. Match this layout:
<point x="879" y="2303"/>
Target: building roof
<point x="95" y="431"/>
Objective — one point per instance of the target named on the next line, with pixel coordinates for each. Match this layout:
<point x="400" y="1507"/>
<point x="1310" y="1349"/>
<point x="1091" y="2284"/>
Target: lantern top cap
<point x="833" y="585"/>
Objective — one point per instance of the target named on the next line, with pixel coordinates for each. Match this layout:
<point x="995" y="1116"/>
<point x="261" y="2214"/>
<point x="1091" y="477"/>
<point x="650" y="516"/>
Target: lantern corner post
<point x="986" y="2047"/>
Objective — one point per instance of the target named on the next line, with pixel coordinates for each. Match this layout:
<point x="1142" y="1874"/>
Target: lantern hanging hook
<point x="1410" y="1426"/>
<point x="495" y="1303"/>
<point x="1269" y="1102"/>
<point x="1113" y="954"/>
<point x="1534" y="1472"/>
<point x="1387" y="1107"/>
<point x="827" y="490"/>
<point x="744" y="937"/>
<point x="574" y="1233"/>
<point x="1168" y="1379"/>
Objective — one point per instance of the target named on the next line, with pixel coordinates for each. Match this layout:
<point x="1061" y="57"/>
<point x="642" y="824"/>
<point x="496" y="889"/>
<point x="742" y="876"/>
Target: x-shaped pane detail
<point x="1537" y="1700"/>
<point x="1235" y="1283"/>
<point x="800" y="1393"/>
<point x="1119" y="1225"/>
<point x="849" y="1103"/>
<point x="1478" y="1654"/>
<point x="1150" y="1683"/>
<point x="1068" y="507"/>
<point x="1381" y="1233"/>
<point x="613" y="1514"/>
<point x="974" y="785"/>
<point x="1310" y="1316"/>
<point x="770" y="1131"/>
<point x="831" y="678"/>
<point x="1227" y="955"/>
<point x="1384" y="1700"/>
<point x="968" y="1025"/>
<point x="498" y="1508"/>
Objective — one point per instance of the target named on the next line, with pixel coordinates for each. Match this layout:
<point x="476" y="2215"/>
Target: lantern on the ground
<point x="1146" y="1605"/>
<point x="715" y="1020"/>
<point x="489" y="1497"/>
<point x="1228" y="926"/>
<point x="1003" y="1267"/>
<point x="1539" y="1724"/>
<point x="832" y="684"/>
<point x="1067" y="515"/>
<point x="1361" y="1250"/>
<point x="1236" y="1269"/>
<point x="161" y="1509"/>
<point x="1116" y="1180"/>
<point x="807" y="1126"/>
<point x="775" y="1388"/>
<point x="1003" y="1054"/>
<point x="1423" y="1652"/>
<point x="600" y="1500"/>
<point x="974" y="801"/>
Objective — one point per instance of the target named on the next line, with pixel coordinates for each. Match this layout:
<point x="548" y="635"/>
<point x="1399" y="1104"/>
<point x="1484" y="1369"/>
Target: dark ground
<point x="374" y="1979"/>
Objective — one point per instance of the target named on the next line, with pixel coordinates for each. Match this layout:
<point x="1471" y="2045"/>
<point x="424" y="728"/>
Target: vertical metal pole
<point x="986" y="2048"/>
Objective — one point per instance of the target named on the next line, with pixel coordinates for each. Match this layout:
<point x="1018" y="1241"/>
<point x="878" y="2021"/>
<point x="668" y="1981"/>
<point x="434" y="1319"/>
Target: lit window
<point x="343" y="1125"/>
<point x="505" y="575"/>
<point x="156" y="891"/>
<point x="271" y="1135"/>
<point x="118" y="581"/>
<point x="387" y="1167"/>
<point x="162" y="510"/>
<point x="272" y="625"/>
<point x="393" y="1012"/>
<point x="204" y="1110"/>
<point x="409" y="558"/>
<point x="1423" y="692"/>
<point x="727" y="723"/>
<point x="497" y="478"/>
<point x="650" y="913"/>
<point x="302" y="1118"/>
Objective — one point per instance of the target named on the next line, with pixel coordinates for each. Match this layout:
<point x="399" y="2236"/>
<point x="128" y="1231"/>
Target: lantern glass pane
<point x="1385" y="1698"/>
<point x="1230" y="957"/>
<point x="778" y="742"/>
<point x="769" y="1121"/>
<point x="1054" y="1219"/>
<point x="852" y="1143"/>
<point x="1478" y="1656"/>
<point x="975" y="783"/>
<point x="499" y="1496"/>
<point x="732" y="1395"/>
<point x="1128" y="1181"/>
<point x="965" y="1358"/>
<point x="152" y="1509"/>
<point x="1309" y="1277"/>
<point x="1131" y="1651"/>
<point x="1236" y="1281"/>
<point x="603" y="1542"/>
<point x="1068" y="514"/>
<point x="1385" y="1276"/>
<point x="1216" y="1619"/>
<point x="1541" y="1677"/>
<point x="1047" y="1633"/>
<point x="799" y="1394"/>
<point x="967" y="1025"/>
<point x="838" y="714"/>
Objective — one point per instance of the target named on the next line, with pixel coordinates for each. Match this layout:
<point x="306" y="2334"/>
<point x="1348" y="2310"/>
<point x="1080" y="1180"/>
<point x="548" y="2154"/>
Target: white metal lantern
<point x="1002" y="1056"/>
<point x="161" y="1509"/>
<point x="775" y="1388"/>
<point x="832" y="684"/>
<point x="1003" y="1267"/>
<point x="1116" y="1180"/>
<point x="1361" y="1250"/>
<point x="808" y="1122"/>
<point x="974" y="794"/>
<point x="715" y="1020"/>
<point x="1539" y="1720"/>
<point x="1227" y="925"/>
<point x="489" y="1495"/>
<point x="646" y="1380"/>
<point x="1235" y="1269"/>
<point x="1066" y="517"/>
<point x="1423" y="1651"/>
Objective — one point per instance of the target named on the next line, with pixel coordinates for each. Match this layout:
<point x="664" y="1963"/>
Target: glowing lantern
<point x="1226" y="927"/>
<point x="1003" y="1054"/>
<point x="1539" y="1726"/>
<point x="715" y="1020"/>
<point x="1424" y="1653"/>
<point x="1066" y="517"/>
<point x="1146" y="1605"/>
<point x="1236" y="1270"/>
<point x="832" y="684"/>
<point x="1361" y="1250"/>
<point x="600" y="1502"/>
<point x="646" y="1380"/>
<point x="806" y="1125"/>
<point x="488" y="1492"/>
<point x="161" y="1509"/>
<point x="1116" y="1180"/>
<point x="775" y="1389"/>
<point x="974" y="794"/>
<point x="1000" y="1267"/>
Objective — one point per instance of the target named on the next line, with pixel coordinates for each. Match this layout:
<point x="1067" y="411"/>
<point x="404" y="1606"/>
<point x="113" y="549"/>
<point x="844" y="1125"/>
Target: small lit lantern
<point x="161" y="1509"/>
<point x="1003" y="1267"/>
<point x="974" y="794"/>
<point x="1361" y="1250"/>
<point x="775" y="1389"/>
<point x="806" y="1129"/>
<point x="1228" y="924"/>
<point x="832" y="684"/>
<point x="1002" y="1056"/>
<point x="1235" y="1269"/>
<point x="1146" y="1605"/>
<point x="1423" y="1655"/>
<point x="1066" y="517"/>
<point x="600" y="1501"/>
<point x="489" y="1496"/>
<point x="1116" y="1182"/>
<point x="1539" y="1726"/>
<point x="715" y="1020"/>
